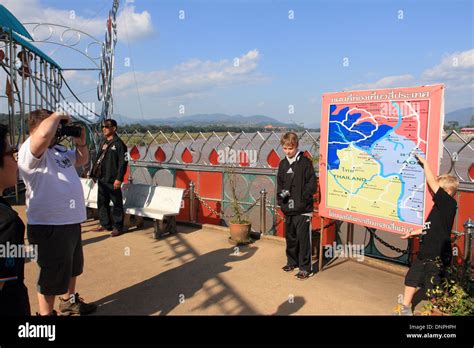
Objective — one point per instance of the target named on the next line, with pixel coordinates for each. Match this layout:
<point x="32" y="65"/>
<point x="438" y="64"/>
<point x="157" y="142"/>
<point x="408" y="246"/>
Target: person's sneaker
<point x="303" y="275"/>
<point x="401" y="309"/>
<point x="288" y="268"/>
<point x="75" y="306"/>
<point x="116" y="232"/>
<point x="52" y="314"/>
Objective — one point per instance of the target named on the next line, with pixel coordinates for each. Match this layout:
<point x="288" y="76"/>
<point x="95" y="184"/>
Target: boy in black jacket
<point x="435" y="248"/>
<point x="296" y="184"/>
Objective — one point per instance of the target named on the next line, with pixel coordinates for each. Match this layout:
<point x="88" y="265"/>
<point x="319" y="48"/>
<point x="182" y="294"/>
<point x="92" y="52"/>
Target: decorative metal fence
<point x="205" y="161"/>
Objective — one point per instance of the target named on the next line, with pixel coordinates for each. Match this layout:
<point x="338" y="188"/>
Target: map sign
<point x="368" y="171"/>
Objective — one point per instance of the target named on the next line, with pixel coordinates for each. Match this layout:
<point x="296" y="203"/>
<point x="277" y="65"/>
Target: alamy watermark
<point x="10" y="252"/>
<point x="356" y="251"/>
<point x="86" y="109"/>
<point x="231" y="156"/>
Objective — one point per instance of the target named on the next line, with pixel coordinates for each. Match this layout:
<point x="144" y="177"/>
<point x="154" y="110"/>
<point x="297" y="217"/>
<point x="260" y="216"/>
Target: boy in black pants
<point x="435" y="248"/>
<point x="296" y="184"/>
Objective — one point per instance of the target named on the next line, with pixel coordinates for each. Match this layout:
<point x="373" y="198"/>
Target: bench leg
<point x="171" y="227"/>
<point x="162" y="227"/>
<point x="139" y="221"/>
<point x="92" y="213"/>
<point x="126" y="220"/>
<point x="159" y="228"/>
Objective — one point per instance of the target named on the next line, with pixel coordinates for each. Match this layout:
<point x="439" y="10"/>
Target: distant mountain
<point x="205" y="119"/>
<point x="313" y="125"/>
<point x="463" y="116"/>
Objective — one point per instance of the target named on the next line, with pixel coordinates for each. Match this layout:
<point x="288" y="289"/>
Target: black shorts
<point x="424" y="274"/>
<point x="60" y="256"/>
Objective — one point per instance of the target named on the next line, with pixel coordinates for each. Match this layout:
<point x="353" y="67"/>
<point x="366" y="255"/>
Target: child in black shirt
<point x="14" y="299"/>
<point x="435" y="247"/>
<point x="296" y="185"/>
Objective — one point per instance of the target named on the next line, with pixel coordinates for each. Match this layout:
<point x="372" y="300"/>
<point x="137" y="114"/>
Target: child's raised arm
<point x="430" y="178"/>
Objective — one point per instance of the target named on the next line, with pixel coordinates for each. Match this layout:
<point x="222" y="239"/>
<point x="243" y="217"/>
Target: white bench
<point x="159" y="203"/>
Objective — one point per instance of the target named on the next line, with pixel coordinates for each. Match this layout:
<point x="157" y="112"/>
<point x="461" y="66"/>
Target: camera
<point x="68" y="131"/>
<point x="285" y="196"/>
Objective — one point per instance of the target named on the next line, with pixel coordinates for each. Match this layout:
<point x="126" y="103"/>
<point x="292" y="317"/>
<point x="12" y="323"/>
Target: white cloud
<point x="138" y="24"/>
<point x="386" y="82"/>
<point x="83" y="78"/>
<point x="192" y="78"/>
<point x="456" y="70"/>
<point x="133" y="25"/>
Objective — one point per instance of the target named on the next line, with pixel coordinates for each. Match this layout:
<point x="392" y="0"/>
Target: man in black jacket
<point x="109" y="170"/>
<point x="13" y="292"/>
<point x="296" y="184"/>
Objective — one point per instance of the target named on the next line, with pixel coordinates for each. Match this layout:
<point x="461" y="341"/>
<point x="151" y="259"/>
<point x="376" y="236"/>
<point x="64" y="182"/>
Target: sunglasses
<point x="12" y="152"/>
<point x="108" y="127"/>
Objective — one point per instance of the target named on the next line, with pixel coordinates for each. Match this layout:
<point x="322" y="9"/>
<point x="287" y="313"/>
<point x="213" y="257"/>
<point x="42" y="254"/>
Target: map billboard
<point x="367" y="170"/>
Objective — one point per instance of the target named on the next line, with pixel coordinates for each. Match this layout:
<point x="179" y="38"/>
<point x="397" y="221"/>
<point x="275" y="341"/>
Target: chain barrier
<point x="457" y="235"/>
<point x="273" y="208"/>
<point x="386" y="244"/>
<point x="318" y="230"/>
<point x="221" y="214"/>
<point x="282" y="218"/>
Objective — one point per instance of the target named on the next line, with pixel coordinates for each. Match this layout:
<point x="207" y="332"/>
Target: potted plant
<point x="239" y="225"/>
<point x="454" y="295"/>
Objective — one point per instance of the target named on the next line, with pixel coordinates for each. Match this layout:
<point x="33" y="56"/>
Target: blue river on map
<point x="382" y="140"/>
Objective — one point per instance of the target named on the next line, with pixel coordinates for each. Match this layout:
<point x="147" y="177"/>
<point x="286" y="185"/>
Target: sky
<point x="264" y="57"/>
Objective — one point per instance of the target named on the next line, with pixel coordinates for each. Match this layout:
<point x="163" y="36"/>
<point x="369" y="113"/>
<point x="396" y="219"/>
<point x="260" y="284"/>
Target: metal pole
<point x="263" y="211"/>
<point x="321" y="245"/>
<point x="191" y="201"/>
<point x="23" y="94"/>
<point x="46" y="89"/>
<point x="41" y="84"/>
<point x="350" y="234"/>
<point x="36" y="82"/>
<point x="30" y="97"/>
<point x="468" y="231"/>
<point x="12" y="85"/>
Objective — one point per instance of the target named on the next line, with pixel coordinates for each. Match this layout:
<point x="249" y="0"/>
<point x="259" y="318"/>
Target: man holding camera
<point x="108" y="171"/>
<point x="296" y="184"/>
<point x="55" y="209"/>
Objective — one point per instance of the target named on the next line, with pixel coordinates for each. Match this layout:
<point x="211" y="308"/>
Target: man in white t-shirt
<point x="55" y="209"/>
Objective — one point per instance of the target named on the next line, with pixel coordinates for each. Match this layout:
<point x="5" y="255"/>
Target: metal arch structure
<point x="34" y="80"/>
<point x="64" y="41"/>
<point x="82" y="43"/>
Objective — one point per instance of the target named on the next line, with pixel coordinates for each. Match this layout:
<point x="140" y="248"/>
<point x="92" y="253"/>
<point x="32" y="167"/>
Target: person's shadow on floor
<point x="162" y="293"/>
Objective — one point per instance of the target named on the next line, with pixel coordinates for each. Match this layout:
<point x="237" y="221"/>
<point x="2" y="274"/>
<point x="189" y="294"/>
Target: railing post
<point x="263" y="211"/>
<point x="468" y="231"/>
<point x="191" y="201"/>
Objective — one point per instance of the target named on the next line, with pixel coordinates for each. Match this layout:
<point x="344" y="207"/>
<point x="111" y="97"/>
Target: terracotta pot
<point x="239" y="232"/>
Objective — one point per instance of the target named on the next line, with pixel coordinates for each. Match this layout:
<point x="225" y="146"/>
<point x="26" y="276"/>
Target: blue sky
<point x="282" y="61"/>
